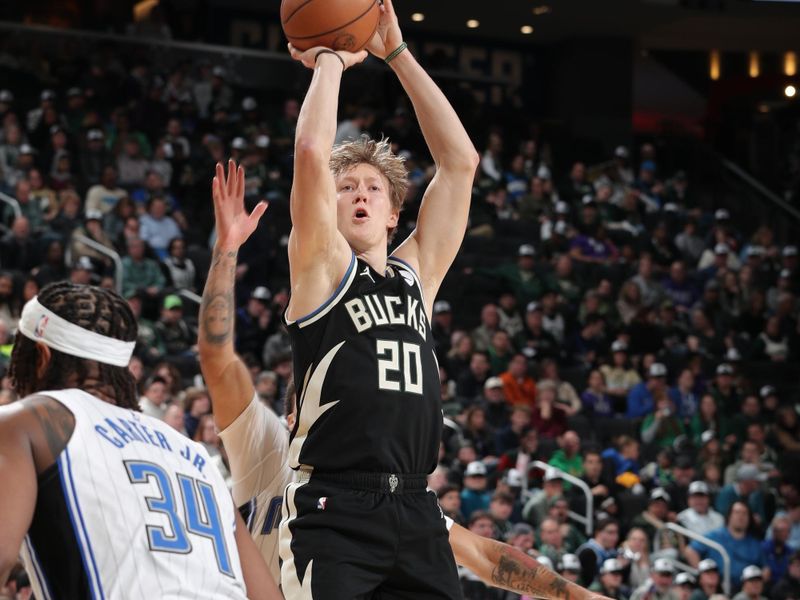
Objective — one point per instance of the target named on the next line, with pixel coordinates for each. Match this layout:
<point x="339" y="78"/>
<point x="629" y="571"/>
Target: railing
<point x="114" y="256"/>
<point x="759" y="187"/>
<point x="190" y="295"/>
<point x="726" y="559"/>
<point x="588" y="520"/>
<point x="12" y="202"/>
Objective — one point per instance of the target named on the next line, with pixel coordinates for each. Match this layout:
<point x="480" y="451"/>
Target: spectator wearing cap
<point x="83" y="272"/>
<point x="181" y="268"/>
<point x="659" y="587"/>
<point x="708" y="580"/>
<point x="442" y="327"/>
<point x="537" y="506"/>
<point x="752" y="584"/>
<point x="724" y="389"/>
<point x="254" y="322"/>
<point x="653" y="519"/>
<point x="92" y="228"/>
<point x="620" y="378"/>
<point x="534" y="340"/>
<point x="103" y="197"/>
<point x="777" y="550"/>
<point x="610" y="580"/>
<point x="683" y="585"/>
<point x="494" y="404"/>
<point x="47" y="100"/>
<point x="700" y="516"/>
<point x="139" y="272"/>
<point x="661" y="427"/>
<point x="521" y="277"/>
<point x="570" y="568"/>
<point x="518" y="386"/>
<point x="747" y="489"/>
<point x="788" y="587"/>
<point x="177" y="335"/>
<point x="736" y="538"/>
<point x="474" y="496"/>
<point x="642" y="397"/>
<point x="157" y="227"/>
<point x="510" y="319"/>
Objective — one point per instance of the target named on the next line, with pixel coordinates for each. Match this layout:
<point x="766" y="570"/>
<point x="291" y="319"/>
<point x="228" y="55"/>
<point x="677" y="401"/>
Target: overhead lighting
<point x="790" y="91"/>
<point x="763" y="108"/>
<point x="753" y="64"/>
<point x="473" y="23"/>
<point x="417" y="17"/>
<point x="714" y="64"/>
<point x="790" y="64"/>
<point x="541" y="10"/>
<point x="526" y="29"/>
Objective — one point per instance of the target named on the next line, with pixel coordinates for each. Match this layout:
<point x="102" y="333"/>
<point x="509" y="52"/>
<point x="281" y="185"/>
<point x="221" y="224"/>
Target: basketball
<point x="338" y="24"/>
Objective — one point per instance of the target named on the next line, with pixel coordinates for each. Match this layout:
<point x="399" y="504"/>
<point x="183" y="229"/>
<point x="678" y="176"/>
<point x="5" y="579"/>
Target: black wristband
<point x="327" y="51"/>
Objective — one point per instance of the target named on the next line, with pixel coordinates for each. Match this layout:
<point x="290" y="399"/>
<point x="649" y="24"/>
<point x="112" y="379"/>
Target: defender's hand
<point x="388" y="36"/>
<point x="309" y="57"/>
<point x="234" y="225"/>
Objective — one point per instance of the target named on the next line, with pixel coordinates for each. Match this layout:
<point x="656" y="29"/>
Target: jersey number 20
<point x="198" y="504"/>
<point x="395" y="358"/>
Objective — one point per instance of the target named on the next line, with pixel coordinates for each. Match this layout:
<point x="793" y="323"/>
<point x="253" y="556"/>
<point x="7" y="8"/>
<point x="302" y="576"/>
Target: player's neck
<point x="375" y="258"/>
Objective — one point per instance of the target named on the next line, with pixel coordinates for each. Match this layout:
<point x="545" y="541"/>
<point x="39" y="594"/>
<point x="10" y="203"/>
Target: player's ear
<point x="43" y="356"/>
<point x="394" y="218"/>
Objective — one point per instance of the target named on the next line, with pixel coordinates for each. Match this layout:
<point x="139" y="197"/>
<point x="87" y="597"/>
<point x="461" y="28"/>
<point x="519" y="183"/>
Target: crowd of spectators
<point x="599" y="324"/>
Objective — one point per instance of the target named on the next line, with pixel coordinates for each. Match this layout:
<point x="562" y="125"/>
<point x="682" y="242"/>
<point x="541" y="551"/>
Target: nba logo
<point x="321" y="503"/>
<point x="407" y="278"/>
<point x="39" y="330"/>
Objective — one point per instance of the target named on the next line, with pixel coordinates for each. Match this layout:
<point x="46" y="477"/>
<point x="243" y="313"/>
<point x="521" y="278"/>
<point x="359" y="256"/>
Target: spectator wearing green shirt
<point x="663" y="425"/>
<point x="568" y="457"/>
<point x="521" y="277"/>
<point x="140" y="274"/>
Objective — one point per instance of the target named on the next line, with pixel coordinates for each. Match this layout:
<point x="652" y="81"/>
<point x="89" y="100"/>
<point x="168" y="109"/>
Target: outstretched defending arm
<point x="442" y="220"/>
<point x="318" y="254"/>
<point x="503" y="566"/>
<point x="226" y="375"/>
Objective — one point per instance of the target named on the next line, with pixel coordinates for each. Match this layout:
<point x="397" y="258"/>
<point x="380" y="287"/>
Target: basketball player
<point x="257" y="444"/>
<point x="106" y="502"/>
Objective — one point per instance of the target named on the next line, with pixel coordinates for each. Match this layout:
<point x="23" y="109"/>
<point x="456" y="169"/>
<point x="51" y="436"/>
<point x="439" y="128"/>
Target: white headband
<point x="41" y="324"/>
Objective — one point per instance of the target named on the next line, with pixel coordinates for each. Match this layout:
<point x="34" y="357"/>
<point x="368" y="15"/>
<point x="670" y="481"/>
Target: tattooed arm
<point x="228" y="380"/>
<point x="33" y="432"/>
<point x="503" y="566"/>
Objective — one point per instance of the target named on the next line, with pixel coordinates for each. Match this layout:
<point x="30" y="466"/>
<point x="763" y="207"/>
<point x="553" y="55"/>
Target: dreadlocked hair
<point x="94" y="309"/>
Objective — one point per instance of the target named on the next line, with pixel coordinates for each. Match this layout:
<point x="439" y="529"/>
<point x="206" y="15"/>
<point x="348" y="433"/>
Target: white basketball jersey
<point x="257" y="444"/>
<point x="131" y="509"/>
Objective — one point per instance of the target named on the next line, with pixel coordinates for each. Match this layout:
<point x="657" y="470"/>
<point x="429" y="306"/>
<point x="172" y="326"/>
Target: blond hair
<point x="377" y="154"/>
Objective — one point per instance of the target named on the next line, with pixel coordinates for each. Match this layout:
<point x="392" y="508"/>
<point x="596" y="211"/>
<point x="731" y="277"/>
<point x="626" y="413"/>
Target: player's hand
<point x="388" y="36"/>
<point x="234" y="225"/>
<point x="309" y="57"/>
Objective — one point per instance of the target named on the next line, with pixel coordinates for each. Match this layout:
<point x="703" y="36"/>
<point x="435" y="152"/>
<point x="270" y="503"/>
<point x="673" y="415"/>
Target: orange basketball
<point x="338" y="24"/>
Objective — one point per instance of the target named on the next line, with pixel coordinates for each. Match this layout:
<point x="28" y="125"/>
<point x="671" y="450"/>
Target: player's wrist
<point x="327" y="56"/>
<point x="397" y="54"/>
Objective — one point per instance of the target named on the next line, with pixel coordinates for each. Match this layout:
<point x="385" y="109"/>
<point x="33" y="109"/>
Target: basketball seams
<point x="334" y="30"/>
<point x="296" y="10"/>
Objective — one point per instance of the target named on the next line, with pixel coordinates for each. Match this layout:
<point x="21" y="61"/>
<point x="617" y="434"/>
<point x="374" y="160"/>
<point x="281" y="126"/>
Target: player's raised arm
<point x="503" y="566"/>
<point x="259" y="582"/>
<point x="226" y="375"/>
<point x="318" y="254"/>
<point x="443" y="216"/>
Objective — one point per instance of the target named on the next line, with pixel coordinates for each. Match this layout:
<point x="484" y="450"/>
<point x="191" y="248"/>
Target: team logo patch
<point x="407" y="278"/>
<point x="40" y="326"/>
<point x="322" y="503"/>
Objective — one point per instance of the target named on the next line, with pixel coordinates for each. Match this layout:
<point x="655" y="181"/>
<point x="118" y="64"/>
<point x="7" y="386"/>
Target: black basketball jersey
<point x="367" y="379"/>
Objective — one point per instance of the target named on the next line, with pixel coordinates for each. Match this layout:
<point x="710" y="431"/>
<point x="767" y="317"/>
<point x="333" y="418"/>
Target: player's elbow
<point x="308" y="148"/>
<point x="465" y="161"/>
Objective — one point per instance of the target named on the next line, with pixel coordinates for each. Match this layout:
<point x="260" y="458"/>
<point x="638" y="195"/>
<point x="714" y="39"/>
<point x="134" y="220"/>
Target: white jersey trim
<point x="334" y="299"/>
<point x="40" y="586"/>
<point x="399" y="262"/>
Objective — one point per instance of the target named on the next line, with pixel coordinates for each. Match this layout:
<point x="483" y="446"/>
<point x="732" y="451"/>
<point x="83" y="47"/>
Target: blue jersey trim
<point x="334" y="294"/>
<point x="70" y="493"/>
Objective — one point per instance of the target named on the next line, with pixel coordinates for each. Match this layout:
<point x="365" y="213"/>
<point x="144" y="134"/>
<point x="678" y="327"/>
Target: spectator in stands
<point x="519" y="423"/>
<point x="491" y="165"/>
<point x="777" y="551"/>
<point x="540" y="501"/>
<point x="196" y="403"/>
<point x="500" y="352"/>
<point x="787" y="432"/>
<point x="149" y="346"/>
<point x="140" y="274"/>
<point x="154" y="401"/>
<point x="157" y="227"/>
<point x="642" y="397"/>
<point x="105" y="195"/>
<point x="736" y="537"/>
<point x="549" y="416"/>
<point x="659" y="587"/>
<point x="683" y="585"/>
<point x="534" y="340"/>
<point x="552" y="540"/>
<point x="653" y="519"/>
<point x="566" y="396"/>
<point x="700" y="517"/>
<point x="178" y="337"/>
<point x="709" y="418"/>
<point x="600" y="548"/>
<point x="745" y="489"/>
<point x="18" y="249"/>
<point x="595" y="399"/>
<point x="501" y="506"/>
<point x="651" y="290"/>
<point x="131" y="163"/>
<point x="490" y="324"/>
<point x="450" y="501"/>
<point x="663" y="425"/>
<point x="568" y="457"/>
<point x="788" y="588"/>
<point x="626" y="458"/>
<point x="610" y="580"/>
<point x="684" y="396"/>
<point x="92" y="228"/>
<point x="494" y="405"/>
<point x="689" y="244"/>
<point x="470" y="383"/>
<point x="678" y="288"/>
<point x="708" y="580"/>
<point x="518" y="386"/>
<point x="442" y="326"/>
<point x="181" y="268"/>
<point x="752" y="584"/>
<point x="750" y="454"/>
<point x="478" y="433"/>
<point x="474" y="496"/>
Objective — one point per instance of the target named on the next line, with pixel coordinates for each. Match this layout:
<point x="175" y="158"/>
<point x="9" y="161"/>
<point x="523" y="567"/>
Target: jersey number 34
<point x="197" y="503"/>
